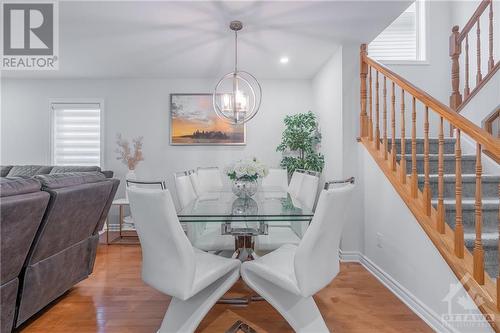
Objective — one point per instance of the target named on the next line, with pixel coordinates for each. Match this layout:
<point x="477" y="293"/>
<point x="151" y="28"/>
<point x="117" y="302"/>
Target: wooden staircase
<point x="454" y="201"/>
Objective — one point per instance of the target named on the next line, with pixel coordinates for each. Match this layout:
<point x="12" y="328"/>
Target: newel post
<point x="455" y="50"/>
<point x="363" y="72"/>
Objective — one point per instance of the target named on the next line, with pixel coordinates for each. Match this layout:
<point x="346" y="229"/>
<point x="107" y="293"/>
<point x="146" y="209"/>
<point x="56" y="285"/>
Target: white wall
<point x="140" y="107"/>
<point x="327" y="98"/>
<point x="336" y="100"/>
<point x="395" y="242"/>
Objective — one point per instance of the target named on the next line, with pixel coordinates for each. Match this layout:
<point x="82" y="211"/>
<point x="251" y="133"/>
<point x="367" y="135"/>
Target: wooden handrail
<point x="467" y="127"/>
<point x="472" y="21"/>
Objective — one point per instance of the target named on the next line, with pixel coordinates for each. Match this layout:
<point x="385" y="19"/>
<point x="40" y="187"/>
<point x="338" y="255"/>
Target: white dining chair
<point x="276" y="180"/>
<point x="306" y="198"/>
<point x="195" y="279"/>
<point x="286" y="232"/>
<point x="193" y="175"/>
<point x="209" y="179"/>
<point x="184" y="188"/>
<point x="205" y="236"/>
<point x="295" y="182"/>
<point x="289" y="276"/>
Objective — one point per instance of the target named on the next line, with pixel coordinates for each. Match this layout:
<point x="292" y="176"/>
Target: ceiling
<point x="115" y="39"/>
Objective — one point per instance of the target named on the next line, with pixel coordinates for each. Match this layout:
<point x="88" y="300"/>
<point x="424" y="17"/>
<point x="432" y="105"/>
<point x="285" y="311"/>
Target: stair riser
<point x="489" y="219"/>
<point x="449" y="147"/>
<point x="468" y="166"/>
<point x="489" y="189"/>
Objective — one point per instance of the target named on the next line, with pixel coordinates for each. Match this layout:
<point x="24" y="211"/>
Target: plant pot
<point x="244" y="188"/>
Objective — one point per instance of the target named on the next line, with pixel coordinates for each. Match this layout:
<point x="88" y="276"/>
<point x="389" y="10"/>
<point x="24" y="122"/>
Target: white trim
<point x="99" y="101"/>
<point x="418" y="307"/>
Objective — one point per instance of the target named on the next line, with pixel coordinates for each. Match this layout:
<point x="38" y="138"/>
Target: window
<point x="76" y="134"/>
<point x="404" y="40"/>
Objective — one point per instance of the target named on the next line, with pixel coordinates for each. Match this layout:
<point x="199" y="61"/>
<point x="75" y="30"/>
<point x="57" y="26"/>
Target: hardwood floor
<point x="115" y="300"/>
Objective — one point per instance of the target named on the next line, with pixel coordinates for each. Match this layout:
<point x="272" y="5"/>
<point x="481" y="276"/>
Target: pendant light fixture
<point x="238" y="94"/>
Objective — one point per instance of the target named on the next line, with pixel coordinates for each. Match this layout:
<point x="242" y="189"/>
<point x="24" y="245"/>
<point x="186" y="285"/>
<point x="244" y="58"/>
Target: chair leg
<point x="300" y="312"/>
<point x="185" y="316"/>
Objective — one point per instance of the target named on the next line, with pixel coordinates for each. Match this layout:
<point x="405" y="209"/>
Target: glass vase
<point x="244" y="188"/>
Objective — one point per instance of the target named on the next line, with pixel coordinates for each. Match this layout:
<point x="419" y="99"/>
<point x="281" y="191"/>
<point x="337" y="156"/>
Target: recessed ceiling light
<point x="284" y="60"/>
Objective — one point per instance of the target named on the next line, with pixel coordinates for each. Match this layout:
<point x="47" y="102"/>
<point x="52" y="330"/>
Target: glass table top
<point x="264" y="206"/>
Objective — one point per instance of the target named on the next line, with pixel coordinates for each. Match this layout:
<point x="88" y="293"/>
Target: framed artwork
<point x="193" y="122"/>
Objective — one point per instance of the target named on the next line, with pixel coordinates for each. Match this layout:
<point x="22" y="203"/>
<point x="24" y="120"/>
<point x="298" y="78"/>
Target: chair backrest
<point x="316" y="261"/>
<point x="277" y="179"/>
<point x="308" y="190"/>
<point x="295" y="182"/>
<point x="209" y="179"/>
<point x="185" y="190"/>
<point x="168" y="260"/>
<point x="159" y="184"/>
<point x="194" y="181"/>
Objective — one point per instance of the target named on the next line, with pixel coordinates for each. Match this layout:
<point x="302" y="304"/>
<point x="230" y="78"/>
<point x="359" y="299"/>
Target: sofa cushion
<point x="10" y="187"/>
<point x="4" y="170"/>
<point x="27" y="171"/>
<point x="74" y="168"/>
<point x="60" y="180"/>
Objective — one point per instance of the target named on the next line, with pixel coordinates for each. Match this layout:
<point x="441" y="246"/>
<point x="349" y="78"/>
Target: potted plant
<point x="300" y="142"/>
<point x="245" y="174"/>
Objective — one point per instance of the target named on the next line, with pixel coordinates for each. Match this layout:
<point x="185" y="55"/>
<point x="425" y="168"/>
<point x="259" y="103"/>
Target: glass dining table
<point x="245" y="219"/>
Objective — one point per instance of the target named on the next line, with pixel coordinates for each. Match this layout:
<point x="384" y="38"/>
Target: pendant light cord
<point x="236" y="51"/>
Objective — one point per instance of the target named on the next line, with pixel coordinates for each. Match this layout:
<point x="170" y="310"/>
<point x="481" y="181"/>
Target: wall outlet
<point x="380" y="239"/>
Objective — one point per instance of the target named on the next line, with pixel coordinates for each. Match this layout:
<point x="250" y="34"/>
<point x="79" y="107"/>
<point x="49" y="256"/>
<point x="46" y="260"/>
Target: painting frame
<point x="209" y="111"/>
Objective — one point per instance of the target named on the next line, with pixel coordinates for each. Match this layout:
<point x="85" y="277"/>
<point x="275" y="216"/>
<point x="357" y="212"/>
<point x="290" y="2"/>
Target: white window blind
<point x="404" y="39"/>
<point x="76" y="134"/>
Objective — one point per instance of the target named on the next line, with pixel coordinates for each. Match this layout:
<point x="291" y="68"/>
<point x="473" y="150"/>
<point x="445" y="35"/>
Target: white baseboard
<point x="417" y="306"/>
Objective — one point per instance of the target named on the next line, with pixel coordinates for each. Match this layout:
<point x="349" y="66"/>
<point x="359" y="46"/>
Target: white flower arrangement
<point x="249" y="169"/>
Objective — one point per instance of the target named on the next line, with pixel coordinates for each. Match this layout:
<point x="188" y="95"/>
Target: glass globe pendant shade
<point x="238" y="94"/>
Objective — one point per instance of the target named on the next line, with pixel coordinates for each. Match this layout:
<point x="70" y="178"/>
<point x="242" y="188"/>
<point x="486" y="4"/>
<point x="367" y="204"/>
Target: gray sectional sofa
<point x="50" y="225"/>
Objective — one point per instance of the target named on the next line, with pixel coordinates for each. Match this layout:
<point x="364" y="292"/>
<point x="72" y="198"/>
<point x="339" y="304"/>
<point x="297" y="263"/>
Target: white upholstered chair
<point x="306" y="188"/>
<point x="306" y="198"/>
<point x="276" y="180"/>
<point x="195" y="279"/>
<point x="193" y="175"/>
<point x="289" y="276"/>
<point x="205" y="236"/>
<point x="295" y="182"/>
<point x="185" y="190"/>
<point x="209" y="179"/>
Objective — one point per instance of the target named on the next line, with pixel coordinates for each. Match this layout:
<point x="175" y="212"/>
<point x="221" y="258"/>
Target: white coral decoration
<point x="248" y="168"/>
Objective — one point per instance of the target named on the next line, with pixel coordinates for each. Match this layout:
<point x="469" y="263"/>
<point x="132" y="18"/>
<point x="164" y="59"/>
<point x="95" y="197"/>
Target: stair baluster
<point x="479" y="76"/>
<point x="377" y="113"/>
<point x="466" y="87"/>
<point x="459" y="228"/>
<point x="491" y="62"/>
<point x="414" y="176"/>
<point x="402" y="162"/>
<point x="393" y="126"/>
<point x="385" y="119"/>
<point x="440" y="207"/>
<point x="478" y="206"/>
<point x="498" y="275"/>
<point x="370" y="115"/>
<point x="427" y="187"/>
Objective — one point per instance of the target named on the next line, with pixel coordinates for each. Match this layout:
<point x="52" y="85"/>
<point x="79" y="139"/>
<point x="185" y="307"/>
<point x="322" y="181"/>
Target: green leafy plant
<point x="299" y="143"/>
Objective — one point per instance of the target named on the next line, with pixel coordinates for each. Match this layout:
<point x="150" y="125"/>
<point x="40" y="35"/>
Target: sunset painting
<point x="193" y="121"/>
